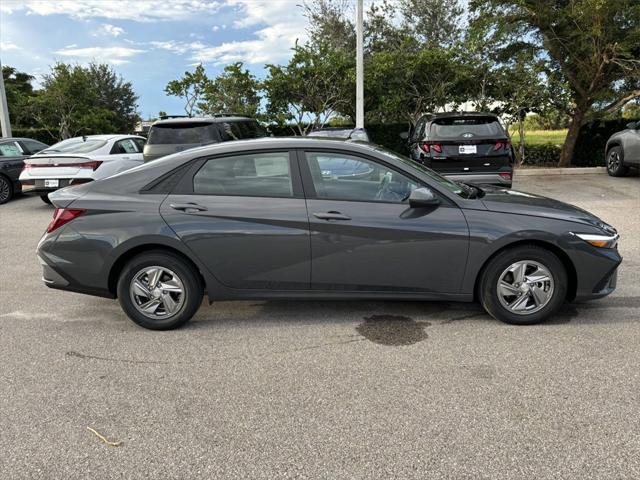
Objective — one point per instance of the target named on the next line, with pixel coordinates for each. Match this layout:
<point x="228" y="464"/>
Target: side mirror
<point x="423" y="197"/>
<point x="633" y="125"/>
<point x="404" y="135"/>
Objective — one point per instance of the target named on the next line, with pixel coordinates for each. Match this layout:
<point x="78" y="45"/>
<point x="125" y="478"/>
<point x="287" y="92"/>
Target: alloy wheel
<point x="525" y="287"/>
<point x="157" y="292"/>
<point x="5" y="190"/>
<point x="613" y="162"/>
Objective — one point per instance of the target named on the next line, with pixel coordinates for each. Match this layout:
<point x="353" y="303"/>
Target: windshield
<point x="75" y="145"/>
<point x="466" y="127"/>
<point x="444" y="182"/>
<point x="182" y="133"/>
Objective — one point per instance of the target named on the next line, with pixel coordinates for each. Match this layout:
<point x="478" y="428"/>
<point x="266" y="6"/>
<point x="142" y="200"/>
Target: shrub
<point x="543" y="155"/>
<point x="40" y="134"/>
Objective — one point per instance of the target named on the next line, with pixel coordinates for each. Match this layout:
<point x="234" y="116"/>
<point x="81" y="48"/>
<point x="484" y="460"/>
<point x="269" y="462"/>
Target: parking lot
<point x="321" y="389"/>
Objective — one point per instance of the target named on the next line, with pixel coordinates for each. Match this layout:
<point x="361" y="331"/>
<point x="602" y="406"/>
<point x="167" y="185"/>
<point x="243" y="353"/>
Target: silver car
<point x="623" y="150"/>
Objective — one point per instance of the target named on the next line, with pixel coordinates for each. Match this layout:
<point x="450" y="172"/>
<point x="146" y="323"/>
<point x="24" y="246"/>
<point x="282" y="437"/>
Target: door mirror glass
<point x="404" y="135"/>
<point x="423" y="197"/>
<point x="633" y="125"/>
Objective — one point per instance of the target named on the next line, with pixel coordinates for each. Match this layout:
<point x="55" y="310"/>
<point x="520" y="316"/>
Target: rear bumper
<point x="480" y="178"/>
<point x="36" y="187"/>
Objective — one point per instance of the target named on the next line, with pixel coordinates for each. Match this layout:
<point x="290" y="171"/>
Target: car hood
<point x="504" y="200"/>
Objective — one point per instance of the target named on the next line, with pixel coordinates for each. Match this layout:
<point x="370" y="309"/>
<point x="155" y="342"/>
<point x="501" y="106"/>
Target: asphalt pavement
<point x="321" y="390"/>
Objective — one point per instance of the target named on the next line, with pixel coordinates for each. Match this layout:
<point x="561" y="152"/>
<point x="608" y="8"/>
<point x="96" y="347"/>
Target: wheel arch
<point x="127" y="255"/>
<point x="570" y="268"/>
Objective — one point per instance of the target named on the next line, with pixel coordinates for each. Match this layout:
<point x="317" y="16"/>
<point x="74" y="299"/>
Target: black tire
<point x="488" y="288"/>
<point x="187" y="274"/>
<point x="6" y="189"/>
<point x="45" y="198"/>
<point x="615" y="162"/>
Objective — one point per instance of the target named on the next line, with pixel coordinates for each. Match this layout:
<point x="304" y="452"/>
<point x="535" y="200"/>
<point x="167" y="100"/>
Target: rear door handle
<point x="331" y="216"/>
<point x="188" y="207"/>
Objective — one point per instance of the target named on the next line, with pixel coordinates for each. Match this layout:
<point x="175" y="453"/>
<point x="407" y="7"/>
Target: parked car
<point x="80" y="160"/>
<point x="13" y="151"/>
<point x="623" y="150"/>
<point x="258" y="219"/>
<point x="341" y="132"/>
<point x="175" y="134"/>
<point x="469" y="147"/>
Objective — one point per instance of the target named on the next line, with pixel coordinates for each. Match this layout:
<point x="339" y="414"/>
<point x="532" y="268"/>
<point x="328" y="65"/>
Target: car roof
<point x="219" y="119"/>
<point x="113" y="136"/>
<point x="435" y="116"/>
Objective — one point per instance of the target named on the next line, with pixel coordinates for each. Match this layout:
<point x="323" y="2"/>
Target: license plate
<point x="51" y="183"/>
<point x="466" y="149"/>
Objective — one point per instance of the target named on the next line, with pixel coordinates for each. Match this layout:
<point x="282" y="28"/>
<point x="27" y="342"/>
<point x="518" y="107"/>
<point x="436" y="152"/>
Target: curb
<point x="559" y="171"/>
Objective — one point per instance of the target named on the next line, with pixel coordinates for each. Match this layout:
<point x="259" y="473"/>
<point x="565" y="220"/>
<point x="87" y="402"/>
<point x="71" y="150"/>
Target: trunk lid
<point x="57" y="166"/>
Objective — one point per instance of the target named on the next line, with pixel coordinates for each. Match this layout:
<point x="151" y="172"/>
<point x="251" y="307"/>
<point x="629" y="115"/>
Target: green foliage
<point x="317" y="83"/>
<point x="77" y="100"/>
<point x="18" y="90"/>
<point x="234" y="91"/>
<point x="41" y="134"/>
<point x="548" y="120"/>
<point x="542" y="155"/>
<point x="190" y="88"/>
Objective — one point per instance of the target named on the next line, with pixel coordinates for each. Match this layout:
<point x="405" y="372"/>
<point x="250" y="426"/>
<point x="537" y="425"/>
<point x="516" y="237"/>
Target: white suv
<point x="80" y="160"/>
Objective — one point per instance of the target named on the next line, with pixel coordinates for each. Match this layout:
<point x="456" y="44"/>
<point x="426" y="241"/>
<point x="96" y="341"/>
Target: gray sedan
<point x="284" y="218"/>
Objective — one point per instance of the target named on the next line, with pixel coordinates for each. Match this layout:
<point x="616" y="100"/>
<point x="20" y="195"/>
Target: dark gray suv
<point x="320" y="219"/>
<point x="175" y="134"/>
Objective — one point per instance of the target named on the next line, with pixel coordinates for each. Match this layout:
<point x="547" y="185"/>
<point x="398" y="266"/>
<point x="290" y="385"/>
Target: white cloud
<point x="112" y="30"/>
<point x="114" y="55"/>
<point x="5" y="46"/>
<point x="136" y="10"/>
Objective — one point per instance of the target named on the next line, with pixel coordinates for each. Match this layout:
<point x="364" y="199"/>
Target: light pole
<point x="4" y="110"/>
<point x="359" y="68"/>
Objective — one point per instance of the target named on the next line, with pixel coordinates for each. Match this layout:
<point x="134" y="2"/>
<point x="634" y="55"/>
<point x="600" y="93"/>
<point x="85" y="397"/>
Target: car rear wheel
<point x="6" y="190"/>
<point x="159" y="290"/>
<point x="615" y="165"/>
<point x="45" y="198"/>
<point x="523" y="285"/>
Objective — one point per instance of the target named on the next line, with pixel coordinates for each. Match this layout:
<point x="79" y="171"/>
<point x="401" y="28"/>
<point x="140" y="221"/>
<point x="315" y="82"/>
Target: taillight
<point x="427" y="146"/>
<point x="505" y="175"/>
<point x="499" y="145"/>
<point x="62" y="216"/>
<point x="93" y="164"/>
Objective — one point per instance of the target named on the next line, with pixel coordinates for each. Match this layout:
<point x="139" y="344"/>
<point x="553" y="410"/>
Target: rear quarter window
<point x="466" y="127"/>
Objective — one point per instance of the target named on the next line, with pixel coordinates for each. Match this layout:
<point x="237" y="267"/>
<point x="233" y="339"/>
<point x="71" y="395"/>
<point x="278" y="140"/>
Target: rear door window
<point x="182" y="133"/>
<point x="466" y="128"/>
<point x="33" y="146"/>
<point x="124" y="146"/>
<point x="257" y="175"/>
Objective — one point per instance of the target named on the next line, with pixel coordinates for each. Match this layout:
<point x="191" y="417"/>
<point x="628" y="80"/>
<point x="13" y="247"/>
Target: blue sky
<point x="149" y="42"/>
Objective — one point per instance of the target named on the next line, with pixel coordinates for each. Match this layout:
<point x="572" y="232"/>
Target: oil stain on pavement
<point x="394" y="330"/>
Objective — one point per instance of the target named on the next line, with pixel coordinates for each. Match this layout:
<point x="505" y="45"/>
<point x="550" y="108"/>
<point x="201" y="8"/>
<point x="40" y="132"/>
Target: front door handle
<point x="188" y="207"/>
<point x="331" y="216"/>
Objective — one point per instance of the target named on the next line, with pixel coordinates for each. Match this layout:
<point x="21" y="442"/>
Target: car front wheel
<point x="523" y="285"/>
<point x="615" y="165"/>
<point x="159" y="290"/>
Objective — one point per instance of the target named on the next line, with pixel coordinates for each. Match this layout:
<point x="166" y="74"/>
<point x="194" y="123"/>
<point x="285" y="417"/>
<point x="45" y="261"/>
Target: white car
<point x="80" y="160"/>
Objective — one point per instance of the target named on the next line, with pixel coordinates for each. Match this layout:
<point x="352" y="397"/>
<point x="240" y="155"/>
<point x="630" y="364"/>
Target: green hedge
<point x="40" y="134"/>
<point x="592" y="139"/>
<point x="543" y="155"/>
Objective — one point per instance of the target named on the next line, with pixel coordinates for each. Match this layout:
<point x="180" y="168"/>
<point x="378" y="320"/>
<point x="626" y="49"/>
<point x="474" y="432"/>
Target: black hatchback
<point x="469" y="147"/>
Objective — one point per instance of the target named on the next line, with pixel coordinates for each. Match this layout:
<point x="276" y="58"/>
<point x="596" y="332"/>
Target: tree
<point x="434" y="23"/>
<point x="316" y="84"/>
<point x="18" y="89"/>
<point x="84" y="100"/>
<point x="190" y="87"/>
<point x="594" y="45"/>
<point x="235" y="90"/>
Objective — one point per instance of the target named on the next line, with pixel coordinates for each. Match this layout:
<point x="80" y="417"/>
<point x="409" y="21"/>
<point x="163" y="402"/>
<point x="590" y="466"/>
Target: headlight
<point x="600" y="241"/>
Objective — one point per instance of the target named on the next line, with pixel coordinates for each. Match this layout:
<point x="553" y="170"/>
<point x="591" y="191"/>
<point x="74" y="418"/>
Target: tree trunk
<point x="521" y="140"/>
<point x="572" y="136"/>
